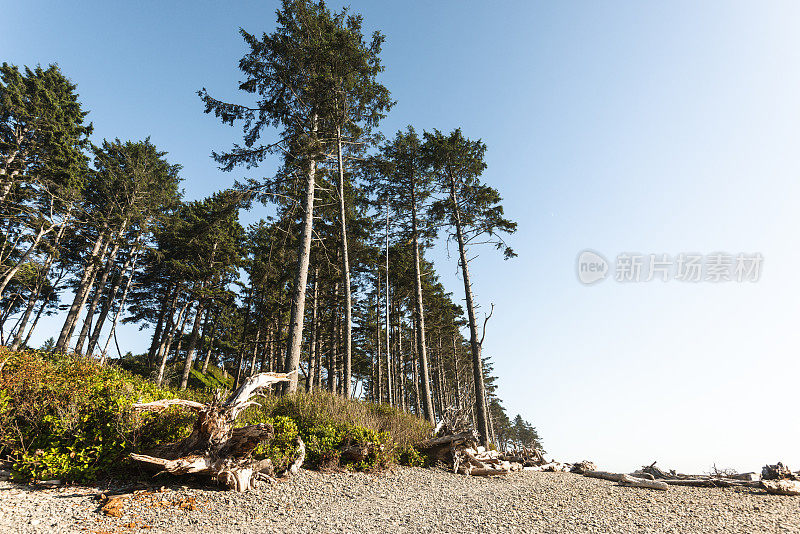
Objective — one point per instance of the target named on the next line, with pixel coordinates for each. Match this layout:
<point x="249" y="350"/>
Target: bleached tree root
<point x="215" y="448"/>
<point x="782" y="487"/>
<point x="461" y="451"/>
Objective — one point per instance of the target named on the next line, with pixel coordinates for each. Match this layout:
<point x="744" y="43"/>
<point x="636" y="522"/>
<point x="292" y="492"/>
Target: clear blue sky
<point x="651" y="127"/>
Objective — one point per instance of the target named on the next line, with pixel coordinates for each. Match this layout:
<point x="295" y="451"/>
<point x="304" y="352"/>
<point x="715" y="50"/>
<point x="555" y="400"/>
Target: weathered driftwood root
<point x="582" y="467"/>
<point x="461" y="451"/>
<point x="526" y="457"/>
<point x="444" y="448"/>
<point x="782" y="487"/>
<point x="215" y="447"/>
<point x="777" y="472"/>
<point x="658" y="473"/>
<point x="455" y="444"/>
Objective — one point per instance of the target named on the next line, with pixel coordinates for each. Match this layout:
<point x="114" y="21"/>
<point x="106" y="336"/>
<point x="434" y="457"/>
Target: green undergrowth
<point x="209" y="382"/>
<point x="66" y="417"/>
<point x="328" y="423"/>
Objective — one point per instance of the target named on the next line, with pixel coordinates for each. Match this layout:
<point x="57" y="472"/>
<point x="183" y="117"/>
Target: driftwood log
<point x="613" y="477"/>
<point x="634" y="482"/>
<point x="215" y="447"/>
<point x="776" y="479"/>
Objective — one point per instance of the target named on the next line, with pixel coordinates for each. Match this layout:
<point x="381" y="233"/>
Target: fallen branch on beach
<point x="627" y="480"/>
<point x="215" y="447"/>
<point x="776" y="479"/>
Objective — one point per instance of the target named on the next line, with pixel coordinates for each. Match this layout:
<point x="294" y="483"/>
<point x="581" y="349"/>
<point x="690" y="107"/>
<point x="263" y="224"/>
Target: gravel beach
<point x="405" y="500"/>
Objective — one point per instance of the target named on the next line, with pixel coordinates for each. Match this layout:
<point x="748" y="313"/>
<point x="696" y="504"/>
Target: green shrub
<point x="67" y="417"/>
<point x="411" y="457"/>
<point x="322" y="445"/>
<point x="281" y="448"/>
<point x="327" y="423"/>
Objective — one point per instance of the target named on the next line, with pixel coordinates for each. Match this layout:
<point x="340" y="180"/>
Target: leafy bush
<point x="327" y="423"/>
<point x="67" y="417"/>
<point x="411" y="457"/>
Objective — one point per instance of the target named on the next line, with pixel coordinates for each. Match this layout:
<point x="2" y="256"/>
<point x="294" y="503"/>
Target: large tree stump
<point x="215" y="447"/>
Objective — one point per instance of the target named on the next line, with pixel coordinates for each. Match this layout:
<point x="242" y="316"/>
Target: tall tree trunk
<point x="273" y="341"/>
<point x="457" y="377"/>
<point x="82" y="292"/>
<point x="312" y="346"/>
<point x="262" y="364"/>
<point x="481" y="415"/>
<point x="176" y="354"/>
<point x="347" y="351"/>
<point x="210" y="347"/>
<point x="389" y="397"/>
<point x="440" y="393"/>
<point x="378" y="362"/>
<point x="401" y="372"/>
<point x="419" y="311"/>
<point x="169" y="336"/>
<point x="332" y="356"/>
<point x="417" y="400"/>
<point x="339" y="357"/>
<point x="99" y="285"/>
<point x="295" y="340"/>
<point x="40" y="279"/>
<point x="112" y="295"/>
<point x="491" y="422"/>
<point x="203" y="334"/>
<point x="255" y="352"/>
<point x="162" y="312"/>
<point x="121" y="306"/>
<point x="36" y="318"/>
<point x="242" y="339"/>
<point x="168" y="309"/>
<point x="280" y="340"/>
<point x="9" y="274"/>
<point x="318" y="359"/>
<point x="29" y="307"/>
<point x="187" y="366"/>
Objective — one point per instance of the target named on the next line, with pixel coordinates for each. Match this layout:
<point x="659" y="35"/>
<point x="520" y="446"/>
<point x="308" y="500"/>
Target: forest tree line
<point x="333" y="284"/>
